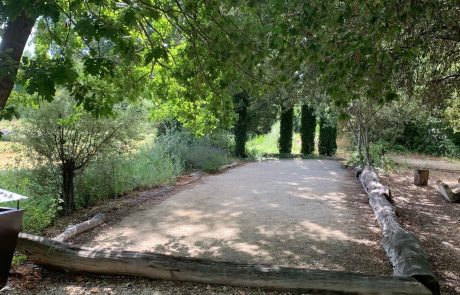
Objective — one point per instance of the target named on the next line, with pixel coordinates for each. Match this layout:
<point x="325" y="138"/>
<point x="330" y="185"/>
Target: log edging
<point x="167" y="267"/>
<point x="402" y="247"/>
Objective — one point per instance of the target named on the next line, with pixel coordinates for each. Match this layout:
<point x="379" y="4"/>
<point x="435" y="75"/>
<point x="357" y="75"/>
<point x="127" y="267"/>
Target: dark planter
<point x="10" y="224"/>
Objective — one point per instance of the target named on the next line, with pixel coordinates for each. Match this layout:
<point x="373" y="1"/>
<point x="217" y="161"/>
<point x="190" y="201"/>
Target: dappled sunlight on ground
<point x="433" y="220"/>
<point x="292" y="212"/>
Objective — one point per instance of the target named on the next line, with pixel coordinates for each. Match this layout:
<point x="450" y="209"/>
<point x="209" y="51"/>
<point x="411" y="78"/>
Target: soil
<point x="308" y="213"/>
<point x="423" y="211"/>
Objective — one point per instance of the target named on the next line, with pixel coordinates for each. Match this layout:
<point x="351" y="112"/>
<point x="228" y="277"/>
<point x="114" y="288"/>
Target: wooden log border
<point x="167" y="267"/>
<point x="401" y="246"/>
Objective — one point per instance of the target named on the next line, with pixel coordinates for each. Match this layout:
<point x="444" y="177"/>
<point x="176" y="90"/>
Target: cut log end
<point x="421" y="177"/>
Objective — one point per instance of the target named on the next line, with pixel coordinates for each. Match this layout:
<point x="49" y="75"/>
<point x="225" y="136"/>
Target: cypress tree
<point x="240" y="130"/>
<point x="327" y="138"/>
<point x="307" y="130"/>
<point x="286" y="130"/>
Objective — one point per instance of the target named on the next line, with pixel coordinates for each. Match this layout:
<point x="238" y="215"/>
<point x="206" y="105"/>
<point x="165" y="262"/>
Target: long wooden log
<point x="77" y="229"/>
<point x="401" y="246"/>
<point x="158" y="266"/>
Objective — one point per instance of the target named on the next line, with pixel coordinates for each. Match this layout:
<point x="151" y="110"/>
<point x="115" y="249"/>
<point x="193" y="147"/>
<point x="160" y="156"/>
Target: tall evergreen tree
<point x="240" y="130"/>
<point x="307" y="130"/>
<point x="286" y="130"/>
<point x="327" y="138"/>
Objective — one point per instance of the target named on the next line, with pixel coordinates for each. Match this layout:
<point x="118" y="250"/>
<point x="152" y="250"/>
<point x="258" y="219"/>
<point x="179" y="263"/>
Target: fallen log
<point x="451" y="194"/>
<point x="401" y="246"/>
<point x="166" y="267"/>
<point x="77" y="229"/>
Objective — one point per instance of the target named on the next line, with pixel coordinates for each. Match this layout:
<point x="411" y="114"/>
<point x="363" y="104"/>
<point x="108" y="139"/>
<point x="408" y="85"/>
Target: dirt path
<point x="291" y="212"/>
<point x="426" y="162"/>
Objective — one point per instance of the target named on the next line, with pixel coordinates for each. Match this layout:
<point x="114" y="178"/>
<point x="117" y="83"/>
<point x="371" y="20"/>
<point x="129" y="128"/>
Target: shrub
<point x="327" y="138"/>
<point x="207" y="153"/>
<point x="240" y="130"/>
<point x="307" y="130"/>
<point x="286" y="131"/>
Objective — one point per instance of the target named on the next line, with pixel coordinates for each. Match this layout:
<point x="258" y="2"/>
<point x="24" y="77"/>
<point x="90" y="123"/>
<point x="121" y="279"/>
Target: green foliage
<point x="265" y="143"/>
<point x="286" y="131"/>
<point x="307" y="130"/>
<point x="41" y="207"/>
<point x="240" y="130"/>
<point x="64" y="137"/>
<point x="327" y="138"/>
<point x="115" y="174"/>
<point x="206" y="153"/>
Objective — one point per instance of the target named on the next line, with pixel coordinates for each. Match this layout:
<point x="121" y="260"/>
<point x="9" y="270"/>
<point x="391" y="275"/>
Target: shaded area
<point x="423" y="211"/>
<point x="292" y="212"/>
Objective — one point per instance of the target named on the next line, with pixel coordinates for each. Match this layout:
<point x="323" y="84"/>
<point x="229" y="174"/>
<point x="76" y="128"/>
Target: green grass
<point x="268" y="143"/>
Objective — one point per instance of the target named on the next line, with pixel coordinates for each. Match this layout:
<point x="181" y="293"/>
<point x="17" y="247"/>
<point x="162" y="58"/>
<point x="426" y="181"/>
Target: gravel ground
<point x="308" y="213"/>
<point x="289" y="212"/>
<point x="423" y="211"/>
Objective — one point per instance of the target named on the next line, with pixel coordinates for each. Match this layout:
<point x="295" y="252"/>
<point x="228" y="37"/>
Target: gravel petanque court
<point x="305" y="213"/>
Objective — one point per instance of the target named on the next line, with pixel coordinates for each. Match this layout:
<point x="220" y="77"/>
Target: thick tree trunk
<point x="68" y="191"/>
<point x="307" y="130"/>
<point x="286" y="131"/>
<point x="402" y="247"/>
<point x="16" y="33"/>
<point x="166" y="267"/>
<point x="75" y="230"/>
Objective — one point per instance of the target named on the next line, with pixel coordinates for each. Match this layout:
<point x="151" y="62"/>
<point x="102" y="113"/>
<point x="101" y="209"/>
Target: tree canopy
<point x="193" y="55"/>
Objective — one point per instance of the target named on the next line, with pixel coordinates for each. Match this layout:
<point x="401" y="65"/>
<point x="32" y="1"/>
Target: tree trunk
<point x="14" y="39"/>
<point x="286" y="130"/>
<point x="166" y="267"/>
<point x="401" y="246"/>
<point x="68" y="192"/>
<point x="240" y="130"/>
<point x="307" y="130"/>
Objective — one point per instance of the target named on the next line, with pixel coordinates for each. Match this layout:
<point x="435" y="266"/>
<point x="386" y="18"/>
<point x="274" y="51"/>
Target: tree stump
<point x="421" y="177"/>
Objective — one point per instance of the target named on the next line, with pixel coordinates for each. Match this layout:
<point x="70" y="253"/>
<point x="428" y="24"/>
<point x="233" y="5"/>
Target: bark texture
<point x="14" y="39"/>
<point x="166" y="267"/>
<point x="74" y="230"/>
<point x="401" y="246"/>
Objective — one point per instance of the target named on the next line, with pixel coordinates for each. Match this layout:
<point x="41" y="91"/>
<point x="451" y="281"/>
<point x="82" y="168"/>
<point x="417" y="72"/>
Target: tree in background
<point x="286" y="130"/>
<point x="62" y="135"/>
<point x="307" y="130"/>
<point x="240" y="130"/>
<point x="327" y="137"/>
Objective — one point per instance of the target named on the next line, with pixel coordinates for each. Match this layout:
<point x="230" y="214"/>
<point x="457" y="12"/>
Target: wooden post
<point x="421" y="177"/>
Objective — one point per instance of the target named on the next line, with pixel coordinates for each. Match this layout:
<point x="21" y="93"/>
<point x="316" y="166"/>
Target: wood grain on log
<point x="401" y="246"/>
<point x="158" y="266"/>
<point x="74" y="230"/>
